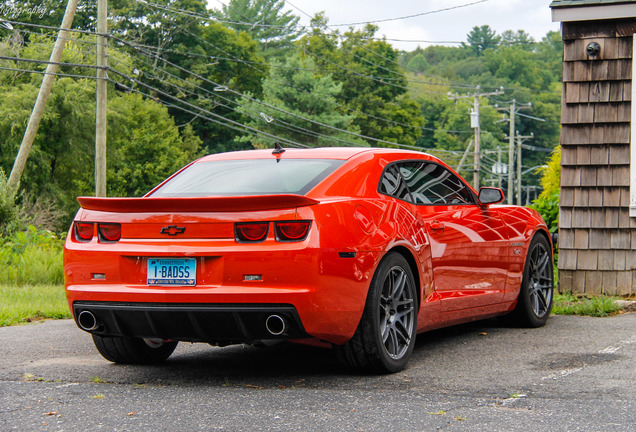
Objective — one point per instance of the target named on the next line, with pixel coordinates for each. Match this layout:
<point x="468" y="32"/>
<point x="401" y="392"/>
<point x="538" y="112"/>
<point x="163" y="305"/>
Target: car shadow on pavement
<point x="280" y="366"/>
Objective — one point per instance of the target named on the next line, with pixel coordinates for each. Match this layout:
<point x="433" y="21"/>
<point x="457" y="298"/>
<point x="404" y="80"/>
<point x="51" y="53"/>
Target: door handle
<point x="436" y="226"/>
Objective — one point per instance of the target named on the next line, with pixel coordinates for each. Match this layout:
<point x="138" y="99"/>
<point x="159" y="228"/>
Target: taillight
<point x="109" y="232"/>
<point x="251" y="231"/>
<point x="84" y="231"/>
<point x="291" y="231"/>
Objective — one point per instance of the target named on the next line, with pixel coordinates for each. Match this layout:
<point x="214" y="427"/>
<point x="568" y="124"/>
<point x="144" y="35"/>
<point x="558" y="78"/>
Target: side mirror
<point x="490" y="195"/>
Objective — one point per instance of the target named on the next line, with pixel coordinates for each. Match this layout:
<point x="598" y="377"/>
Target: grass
<point x="31" y="257"/>
<point x="595" y="306"/>
<point x="27" y="303"/>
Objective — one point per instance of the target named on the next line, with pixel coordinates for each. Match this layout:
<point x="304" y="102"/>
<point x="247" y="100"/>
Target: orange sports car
<point x="357" y="248"/>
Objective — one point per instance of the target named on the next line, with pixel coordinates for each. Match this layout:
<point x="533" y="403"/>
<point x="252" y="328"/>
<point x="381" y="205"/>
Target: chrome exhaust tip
<point x="276" y="325"/>
<point x="87" y="321"/>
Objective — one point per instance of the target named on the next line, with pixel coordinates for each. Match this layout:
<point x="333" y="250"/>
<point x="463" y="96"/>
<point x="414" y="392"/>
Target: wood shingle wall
<point x="597" y="238"/>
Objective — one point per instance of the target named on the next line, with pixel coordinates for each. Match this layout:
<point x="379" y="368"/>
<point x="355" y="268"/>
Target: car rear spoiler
<point x="196" y="204"/>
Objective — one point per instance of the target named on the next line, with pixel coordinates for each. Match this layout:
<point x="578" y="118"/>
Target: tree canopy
<point x="185" y="80"/>
<point x="265" y="21"/>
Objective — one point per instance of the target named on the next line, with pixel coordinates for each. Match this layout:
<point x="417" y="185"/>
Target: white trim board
<point x="594" y="13"/>
<point x="632" y="166"/>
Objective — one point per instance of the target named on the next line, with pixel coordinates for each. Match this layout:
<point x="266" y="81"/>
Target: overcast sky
<point x="533" y="16"/>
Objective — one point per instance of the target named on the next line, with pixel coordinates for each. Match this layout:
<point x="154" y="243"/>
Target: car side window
<point x="430" y="183"/>
<point x="393" y="184"/>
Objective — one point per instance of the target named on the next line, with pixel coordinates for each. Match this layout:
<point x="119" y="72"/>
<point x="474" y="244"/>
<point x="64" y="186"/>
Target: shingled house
<point x="597" y="225"/>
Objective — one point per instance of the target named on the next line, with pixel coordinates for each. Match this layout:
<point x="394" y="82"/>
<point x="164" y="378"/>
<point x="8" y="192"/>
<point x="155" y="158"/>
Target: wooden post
<point x="511" y="154"/>
<point x="43" y="95"/>
<point x="518" y="169"/>
<point x="499" y="174"/>
<point x="101" y="96"/>
<point x="475" y="125"/>
<point x="520" y="139"/>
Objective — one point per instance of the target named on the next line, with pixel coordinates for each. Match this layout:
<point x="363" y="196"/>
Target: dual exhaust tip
<point x="87" y="321"/>
<point x="275" y="324"/>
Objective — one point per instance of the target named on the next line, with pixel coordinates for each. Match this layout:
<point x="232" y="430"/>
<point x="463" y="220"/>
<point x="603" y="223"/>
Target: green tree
<point x="265" y="21"/>
<point x="417" y="64"/>
<point x="187" y="57"/>
<point x="519" y="39"/>
<point x="482" y="38"/>
<point x="145" y="145"/>
<point x="374" y="86"/>
<point x="550" y="52"/>
<point x="300" y="92"/>
<point x="514" y="66"/>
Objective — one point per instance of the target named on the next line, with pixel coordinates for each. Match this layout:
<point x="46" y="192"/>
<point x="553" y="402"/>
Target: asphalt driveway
<point x="576" y="373"/>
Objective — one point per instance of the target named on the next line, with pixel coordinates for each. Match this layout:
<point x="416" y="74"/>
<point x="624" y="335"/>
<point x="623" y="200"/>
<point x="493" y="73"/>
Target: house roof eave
<point x="594" y="12"/>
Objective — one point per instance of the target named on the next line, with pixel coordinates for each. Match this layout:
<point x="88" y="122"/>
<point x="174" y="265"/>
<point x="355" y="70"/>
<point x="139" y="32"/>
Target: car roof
<point x="340" y="153"/>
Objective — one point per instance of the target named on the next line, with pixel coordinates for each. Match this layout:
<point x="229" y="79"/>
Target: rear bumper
<point x="212" y="323"/>
<point x="326" y="290"/>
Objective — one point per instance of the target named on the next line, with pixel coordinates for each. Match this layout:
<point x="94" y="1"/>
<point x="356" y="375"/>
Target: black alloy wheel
<point x="385" y="337"/>
<point x="537" y="287"/>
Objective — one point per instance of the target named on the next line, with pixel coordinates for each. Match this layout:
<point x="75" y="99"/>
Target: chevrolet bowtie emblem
<point x="172" y="230"/>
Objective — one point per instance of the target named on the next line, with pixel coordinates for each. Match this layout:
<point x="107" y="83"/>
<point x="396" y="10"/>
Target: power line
<point x="113" y="70"/>
<point x="207" y="18"/>
<point x="271" y="106"/>
<point x="218" y="116"/>
<point x="304" y="29"/>
<point x="46" y="73"/>
<point x="302" y="90"/>
<point x="52" y="36"/>
<point x="278" y="109"/>
<point x="51" y="27"/>
<point x="380" y="80"/>
<point x="362" y="136"/>
<point x="47" y="62"/>
<point x="410" y="16"/>
<point x="284" y="124"/>
<point x="250" y="98"/>
<point x="204" y="17"/>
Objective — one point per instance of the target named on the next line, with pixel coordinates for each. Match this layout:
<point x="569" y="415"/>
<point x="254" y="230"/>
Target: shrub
<point x="548" y="202"/>
<point x="33" y="256"/>
<point x="8" y="210"/>
<point x="548" y="208"/>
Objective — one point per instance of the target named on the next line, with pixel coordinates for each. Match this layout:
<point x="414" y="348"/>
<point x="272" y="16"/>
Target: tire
<point x="385" y="337"/>
<point x="537" y="286"/>
<point x="133" y="350"/>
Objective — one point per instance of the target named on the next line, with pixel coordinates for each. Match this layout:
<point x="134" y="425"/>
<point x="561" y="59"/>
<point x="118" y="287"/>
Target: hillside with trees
<point x="185" y="80"/>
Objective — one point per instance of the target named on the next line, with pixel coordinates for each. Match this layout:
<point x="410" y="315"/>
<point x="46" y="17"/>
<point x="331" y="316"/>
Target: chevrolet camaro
<point x="359" y="249"/>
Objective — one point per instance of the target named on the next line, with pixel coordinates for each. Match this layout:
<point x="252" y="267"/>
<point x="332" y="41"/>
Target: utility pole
<point x="474" y="123"/>
<point x="511" y="152"/>
<point x="513" y="110"/>
<point x="102" y="97"/>
<point x="499" y="166"/>
<point x="520" y="139"/>
<point x="43" y="95"/>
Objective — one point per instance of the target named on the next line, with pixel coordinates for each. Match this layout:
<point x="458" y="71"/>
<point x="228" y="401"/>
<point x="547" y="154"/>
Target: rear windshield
<point x="248" y="177"/>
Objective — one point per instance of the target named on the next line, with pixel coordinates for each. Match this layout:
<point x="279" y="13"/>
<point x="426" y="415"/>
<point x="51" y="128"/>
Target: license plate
<point x="172" y="271"/>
